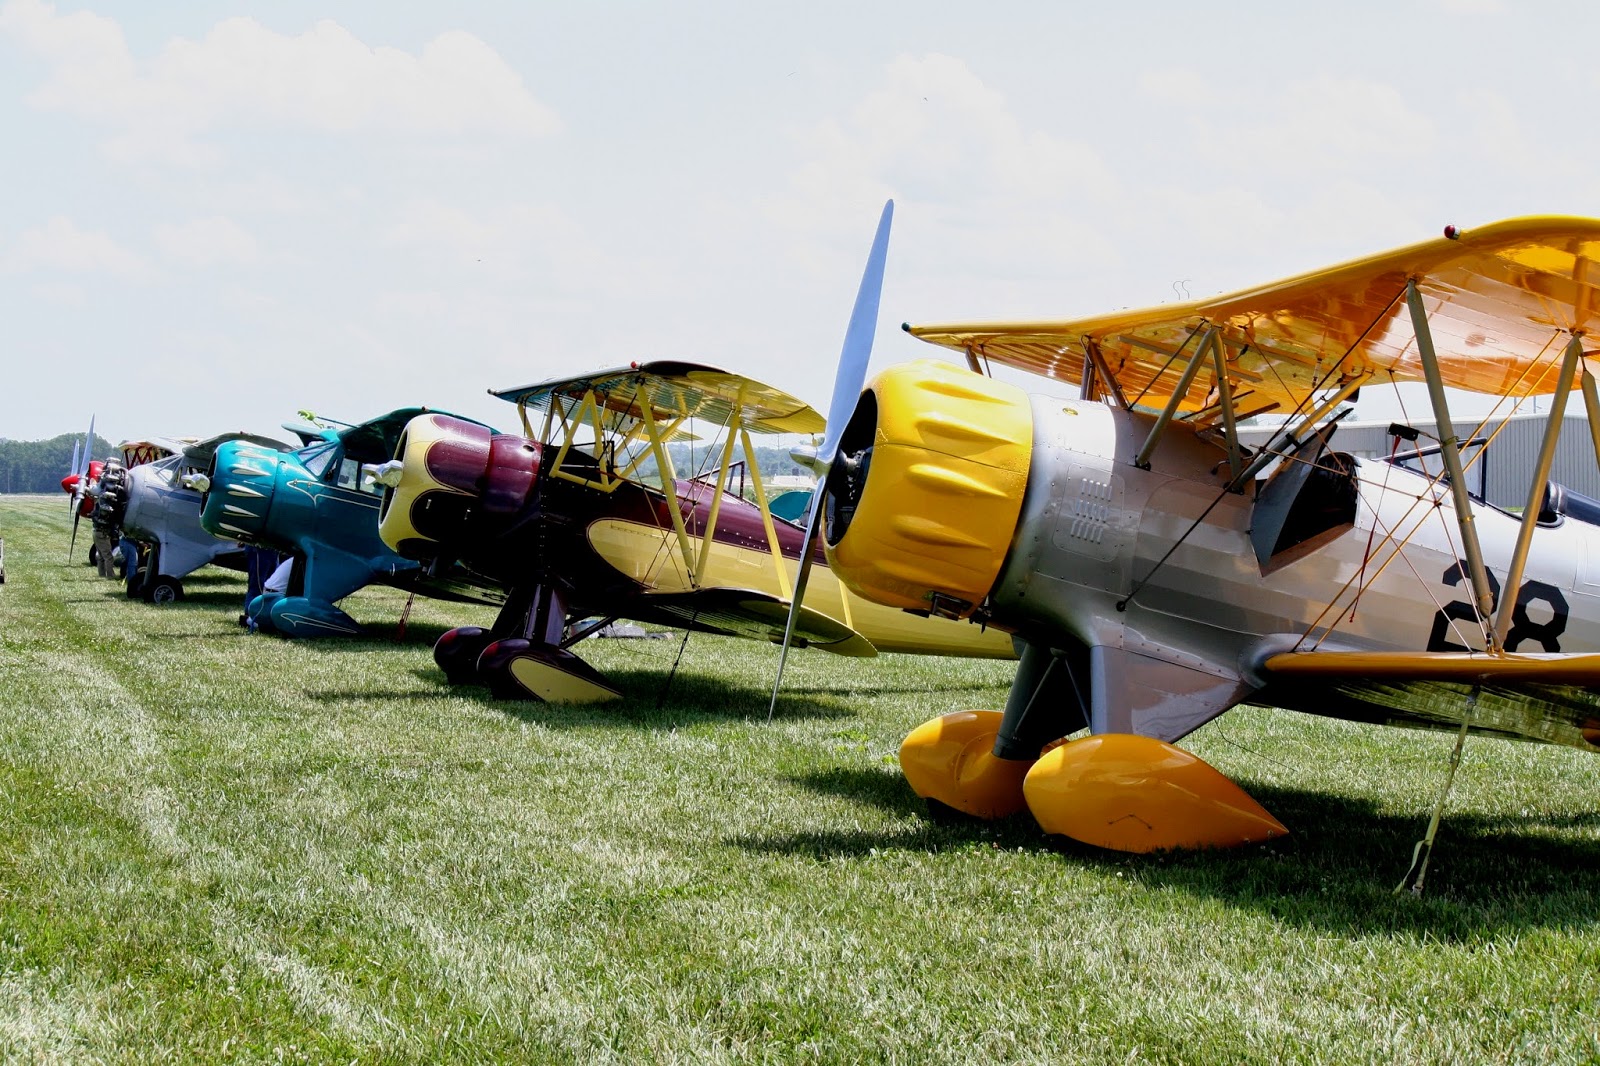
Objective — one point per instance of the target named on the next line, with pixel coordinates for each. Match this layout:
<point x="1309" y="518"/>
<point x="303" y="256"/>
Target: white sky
<point x="218" y="213"/>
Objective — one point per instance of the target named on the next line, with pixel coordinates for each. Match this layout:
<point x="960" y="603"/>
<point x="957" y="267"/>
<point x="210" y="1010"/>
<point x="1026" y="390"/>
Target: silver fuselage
<point x="1157" y="568"/>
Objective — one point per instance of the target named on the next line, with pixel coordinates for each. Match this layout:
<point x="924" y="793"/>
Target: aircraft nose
<point x="457" y="483"/>
<point x="237" y="498"/>
<point x="113" y="506"/>
<point x="137" y="508"/>
<point x="926" y="490"/>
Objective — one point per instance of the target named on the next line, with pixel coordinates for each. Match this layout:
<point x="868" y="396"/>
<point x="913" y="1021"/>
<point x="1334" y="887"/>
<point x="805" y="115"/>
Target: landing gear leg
<point x="457" y="652"/>
<point x="534" y="665"/>
<point x="974" y="762"/>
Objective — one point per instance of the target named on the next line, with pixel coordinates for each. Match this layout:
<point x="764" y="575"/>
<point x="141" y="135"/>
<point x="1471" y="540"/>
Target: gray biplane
<point x="159" y="511"/>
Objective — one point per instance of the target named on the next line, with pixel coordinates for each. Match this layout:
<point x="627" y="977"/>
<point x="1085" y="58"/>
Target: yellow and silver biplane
<point x="1158" y="572"/>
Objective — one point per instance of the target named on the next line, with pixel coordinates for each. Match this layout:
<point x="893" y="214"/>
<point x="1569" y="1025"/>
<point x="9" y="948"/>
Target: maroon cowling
<point x="498" y="473"/>
<point x="513" y="474"/>
<point x="457" y="464"/>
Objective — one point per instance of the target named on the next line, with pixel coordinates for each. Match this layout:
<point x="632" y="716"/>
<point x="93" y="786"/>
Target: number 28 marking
<point x="1523" y="627"/>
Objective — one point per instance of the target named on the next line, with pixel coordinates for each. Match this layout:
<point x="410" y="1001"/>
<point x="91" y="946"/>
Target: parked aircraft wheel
<point x="494" y="669"/>
<point x="164" y="590"/>
<point x="457" y="653"/>
<point x="1132" y="793"/>
<point x="517" y="669"/>
<point x="950" y="761"/>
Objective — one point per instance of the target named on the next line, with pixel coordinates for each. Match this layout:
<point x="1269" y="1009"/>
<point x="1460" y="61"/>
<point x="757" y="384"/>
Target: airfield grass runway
<point x="222" y="847"/>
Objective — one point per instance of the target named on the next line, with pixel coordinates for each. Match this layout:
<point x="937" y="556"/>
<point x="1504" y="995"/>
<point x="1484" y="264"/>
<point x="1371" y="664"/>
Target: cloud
<point x="69" y="296"/>
<point x="1343" y="125"/>
<point x="242" y="74"/>
<point x="1007" y="212"/>
<point x="934" y="131"/>
<point x="206" y="242"/>
<point x="262" y="193"/>
<point x="59" y="245"/>
<point x="507" y="240"/>
<point x="1307" y="127"/>
<point x="1180" y="87"/>
<point x="434" y="224"/>
<point x="935" y="135"/>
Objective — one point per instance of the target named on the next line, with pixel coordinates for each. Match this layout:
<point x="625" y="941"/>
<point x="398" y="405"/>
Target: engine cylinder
<point x="924" y="495"/>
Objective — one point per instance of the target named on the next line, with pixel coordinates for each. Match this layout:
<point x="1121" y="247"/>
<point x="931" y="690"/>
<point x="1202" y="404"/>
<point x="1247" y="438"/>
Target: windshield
<point x="317" y="457"/>
<point x="166" y="470"/>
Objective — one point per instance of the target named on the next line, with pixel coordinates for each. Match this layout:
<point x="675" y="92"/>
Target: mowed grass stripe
<point x="219" y="846"/>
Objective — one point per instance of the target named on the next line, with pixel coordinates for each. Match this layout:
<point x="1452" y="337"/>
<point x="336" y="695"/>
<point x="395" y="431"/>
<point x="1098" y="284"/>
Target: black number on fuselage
<point x="1459" y="610"/>
<point x="1525" y="628"/>
<point x="1547" y="634"/>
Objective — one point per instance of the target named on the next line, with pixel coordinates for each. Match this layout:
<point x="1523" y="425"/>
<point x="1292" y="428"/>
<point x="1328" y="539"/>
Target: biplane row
<point x="1148" y="570"/>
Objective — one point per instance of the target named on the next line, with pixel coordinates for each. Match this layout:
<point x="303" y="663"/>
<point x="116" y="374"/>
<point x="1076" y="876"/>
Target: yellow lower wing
<point x="1466" y="667"/>
<point x="748" y="613"/>
<point x="1553" y="698"/>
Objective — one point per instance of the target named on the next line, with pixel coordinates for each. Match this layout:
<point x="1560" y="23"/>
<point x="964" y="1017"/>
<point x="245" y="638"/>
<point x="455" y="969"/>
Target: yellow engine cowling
<point x="927" y="488"/>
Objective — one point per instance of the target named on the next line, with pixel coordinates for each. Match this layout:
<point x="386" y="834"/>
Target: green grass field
<point x="222" y="847"/>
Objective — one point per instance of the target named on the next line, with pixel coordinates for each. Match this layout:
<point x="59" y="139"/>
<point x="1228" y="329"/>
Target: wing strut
<point x="708" y="534"/>
<point x="1591" y="404"/>
<point x="1536" y="488"/>
<point x="1297" y="436"/>
<point x="766" y="513"/>
<point x="1424" y="849"/>
<point x="1208" y="340"/>
<point x="1106" y="381"/>
<point x="1230" y="427"/>
<point x="669" y="480"/>
<point x="1452" y="462"/>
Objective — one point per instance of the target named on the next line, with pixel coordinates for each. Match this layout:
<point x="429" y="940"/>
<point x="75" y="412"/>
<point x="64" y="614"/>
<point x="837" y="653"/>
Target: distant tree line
<point x="690" y="459"/>
<point x="39" y="465"/>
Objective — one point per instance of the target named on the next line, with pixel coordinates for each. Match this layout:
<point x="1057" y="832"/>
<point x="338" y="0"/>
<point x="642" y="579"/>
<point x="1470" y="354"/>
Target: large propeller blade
<point x="80" y="467"/>
<point x="73" y="469"/>
<point x="76" y="516"/>
<point x="847" y="383"/>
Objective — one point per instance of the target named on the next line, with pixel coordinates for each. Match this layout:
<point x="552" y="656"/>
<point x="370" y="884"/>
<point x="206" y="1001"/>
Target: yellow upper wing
<point x="678" y="390"/>
<point x="1500" y="300"/>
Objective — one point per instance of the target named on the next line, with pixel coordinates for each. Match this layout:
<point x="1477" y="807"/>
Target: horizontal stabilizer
<point x="748" y="613"/>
